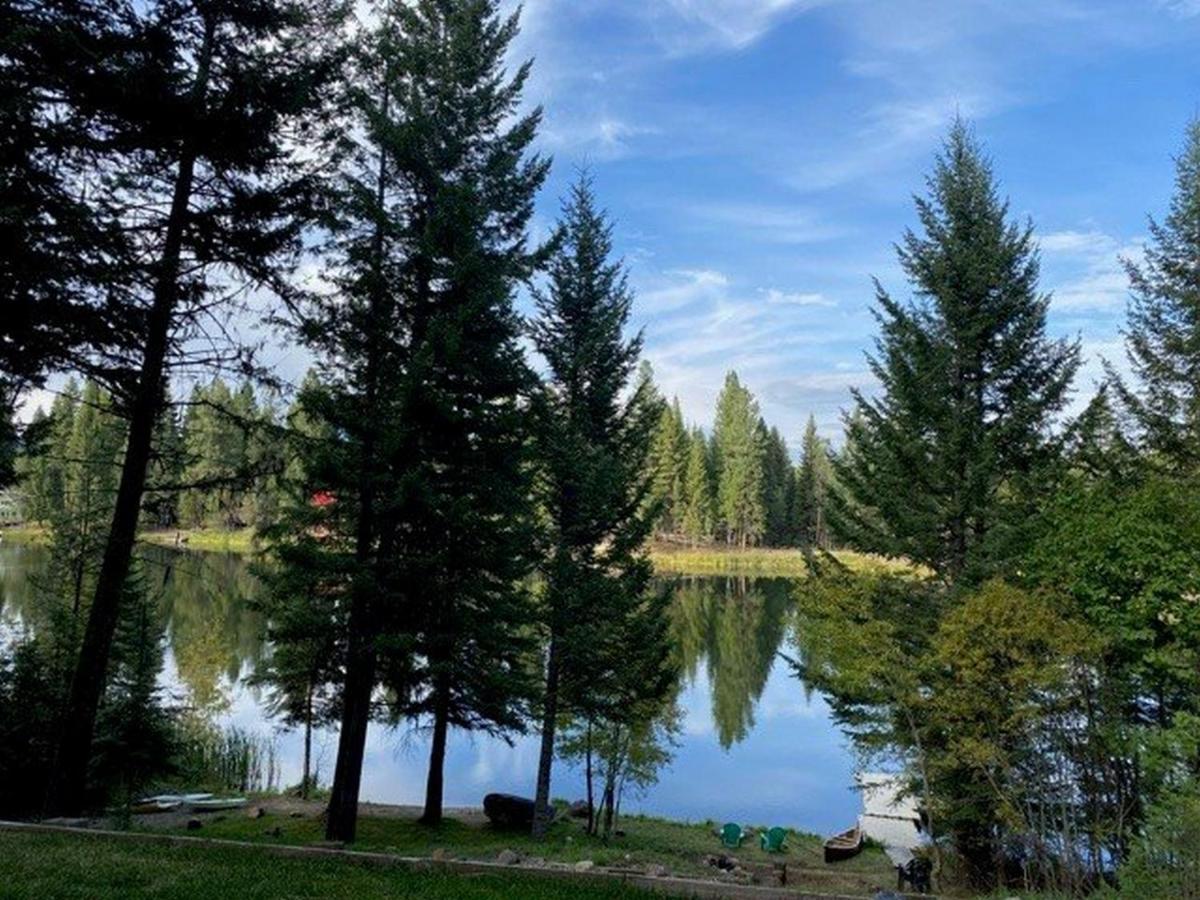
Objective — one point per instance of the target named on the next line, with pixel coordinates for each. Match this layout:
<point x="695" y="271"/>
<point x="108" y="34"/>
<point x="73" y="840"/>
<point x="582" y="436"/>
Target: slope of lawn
<point x="643" y="842"/>
<point x="41" y="866"/>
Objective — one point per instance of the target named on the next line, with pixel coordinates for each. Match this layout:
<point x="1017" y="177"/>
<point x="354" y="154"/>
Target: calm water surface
<point x="754" y="748"/>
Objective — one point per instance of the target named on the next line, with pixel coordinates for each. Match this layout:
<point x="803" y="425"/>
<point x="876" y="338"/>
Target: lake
<point x="755" y="748"/>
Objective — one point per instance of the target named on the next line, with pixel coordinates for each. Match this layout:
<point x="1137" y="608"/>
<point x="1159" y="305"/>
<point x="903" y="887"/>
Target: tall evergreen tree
<point x="1163" y="329"/>
<point x="814" y="484"/>
<point x="595" y="444"/>
<point x="738" y="448"/>
<point x="668" y="464"/>
<point x="56" y="270"/>
<point x="970" y="382"/>
<point x="699" y="508"/>
<point x="779" y="486"/>
<point x="203" y="103"/>
<point x="419" y="347"/>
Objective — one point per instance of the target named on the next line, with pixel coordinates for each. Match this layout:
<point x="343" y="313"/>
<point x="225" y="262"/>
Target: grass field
<point x="776" y="562"/>
<point x="679" y="847"/>
<point x="42" y="866"/>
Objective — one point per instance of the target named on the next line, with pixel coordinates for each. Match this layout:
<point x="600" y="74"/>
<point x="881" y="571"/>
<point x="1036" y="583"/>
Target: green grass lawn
<point x="43" y="866"/>
<point x="680" y="847"/>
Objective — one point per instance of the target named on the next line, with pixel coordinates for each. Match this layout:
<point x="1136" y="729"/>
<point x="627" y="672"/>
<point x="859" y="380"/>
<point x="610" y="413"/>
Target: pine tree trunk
<point x="342" y="814"/>
<point x="435" y="781"/>
<point x="591" y="795"/>
<point x="69" y="779"/>
<point x="542" y="812"/>
<point x="306" y="778"/>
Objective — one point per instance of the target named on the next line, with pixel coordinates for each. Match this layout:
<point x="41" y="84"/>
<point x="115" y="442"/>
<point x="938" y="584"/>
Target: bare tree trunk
<point x="591" y="801"/>
<point x="542" y="812"/>
<point x="306" y="780"/>
<point x="74" y="751"/>
<point x="435" y="782"/>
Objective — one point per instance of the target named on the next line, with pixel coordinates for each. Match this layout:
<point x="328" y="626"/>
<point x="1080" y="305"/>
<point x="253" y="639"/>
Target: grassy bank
<point x="667" y="559"/>
<point x="240" y="540"/>
<point x="37" y="866"/>
<point x="237" y="541"/>
<point x="25" y="534"/>
<point x="779" y="562"/>
<point x="644" y="842"/>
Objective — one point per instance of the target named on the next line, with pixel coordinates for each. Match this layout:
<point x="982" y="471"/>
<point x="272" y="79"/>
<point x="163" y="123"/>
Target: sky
<point x="759" y="158"/>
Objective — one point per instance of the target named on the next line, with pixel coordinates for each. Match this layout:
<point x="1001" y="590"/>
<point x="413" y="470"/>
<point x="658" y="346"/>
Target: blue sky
<point x="760" y="156"/>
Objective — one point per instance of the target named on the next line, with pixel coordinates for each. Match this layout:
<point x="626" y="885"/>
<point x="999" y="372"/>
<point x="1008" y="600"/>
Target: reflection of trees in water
<point x="736" y="626"/>
<point x="212" y="627"/>
<point x="19" y="572"/>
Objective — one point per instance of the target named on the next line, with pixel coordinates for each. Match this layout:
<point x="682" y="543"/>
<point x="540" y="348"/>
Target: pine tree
<point x="1096" y="446"/>
<point x="738" y="448"/>
<point x="56" y="270"/>
<point x="668" y="465"/>
<point x="778" y="485"/>
<point x="814" y="485"/>
<point x="603" y="626"/>
<point x="699" y="509"/>
<point x="419" y="348"/>
<point x="44" y="464"/>
<point x="204" y="104"/>
<point x="1163" y="328"/>
<point x="970" y="382"/>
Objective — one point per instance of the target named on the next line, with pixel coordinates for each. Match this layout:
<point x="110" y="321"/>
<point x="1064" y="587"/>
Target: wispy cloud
<point x="1088" y="273"/>
<point x="764" y="222"/>
<point x="687" y="26"/>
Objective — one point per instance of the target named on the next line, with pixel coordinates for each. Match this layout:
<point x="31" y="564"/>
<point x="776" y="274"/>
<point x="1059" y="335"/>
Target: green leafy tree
<point x="1163" y="330"/>
<point x="738" y="449"/>
<point x="603" y="625"/>
<point x="948" y="454"/>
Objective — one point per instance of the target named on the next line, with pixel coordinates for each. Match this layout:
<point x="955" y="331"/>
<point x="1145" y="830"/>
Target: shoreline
<point x="668" y="560"/>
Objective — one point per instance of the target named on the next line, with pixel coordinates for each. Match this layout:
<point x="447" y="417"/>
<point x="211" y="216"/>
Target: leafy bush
<point x="1165" y="863"/>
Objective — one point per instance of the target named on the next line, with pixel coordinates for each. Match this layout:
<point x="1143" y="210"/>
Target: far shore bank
<point x="668" y="559"/>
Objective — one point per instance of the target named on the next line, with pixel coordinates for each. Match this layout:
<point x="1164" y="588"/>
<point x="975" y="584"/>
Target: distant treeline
<point x="739" y="486"/>
<point x="220" y="451"/>
<point x="218" y="455"/>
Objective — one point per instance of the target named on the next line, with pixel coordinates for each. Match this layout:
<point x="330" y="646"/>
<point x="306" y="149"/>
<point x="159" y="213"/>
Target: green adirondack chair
<point x="772" y="840"/>
<point x="732" y="835"/>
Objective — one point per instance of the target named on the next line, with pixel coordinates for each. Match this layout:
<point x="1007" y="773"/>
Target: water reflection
<point x="754" y="747"/>
<point x="735" y="627"/>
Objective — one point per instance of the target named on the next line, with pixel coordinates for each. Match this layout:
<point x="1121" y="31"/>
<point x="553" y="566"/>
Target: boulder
<point x="657" y="870"/>
<point x="194" y="824"/>
<point x="508" y="810"/>
<point x="578" y="810"/>
<point x="508" y="858"/>
<point x="255" y="812"/>
<point x="584" y="865"/>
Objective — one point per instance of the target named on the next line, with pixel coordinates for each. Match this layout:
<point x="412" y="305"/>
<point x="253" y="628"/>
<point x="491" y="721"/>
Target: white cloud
<point x="788" y="345"/>
<point x="1087" y="270"/>
<point x="604" y="137"/>
<point x="786" y="298"/>
<point x="691" y="25"/>
<point x="766" y="223"/>
<point x="1184" y="9"/>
